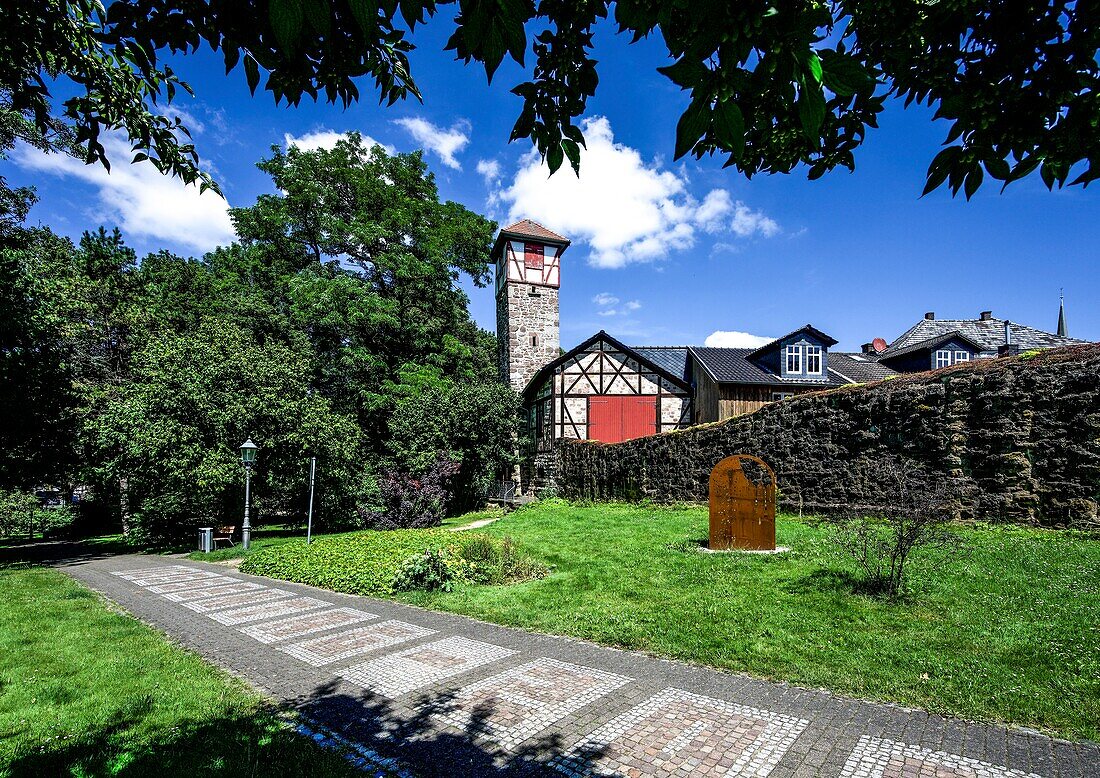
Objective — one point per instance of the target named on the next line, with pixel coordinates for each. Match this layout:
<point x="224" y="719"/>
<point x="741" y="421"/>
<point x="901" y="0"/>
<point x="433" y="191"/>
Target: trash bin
<point x="206" y="539"/>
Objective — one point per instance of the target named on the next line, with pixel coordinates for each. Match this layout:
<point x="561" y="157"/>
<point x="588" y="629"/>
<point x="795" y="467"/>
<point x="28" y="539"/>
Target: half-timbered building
<point x="605" y="390"/>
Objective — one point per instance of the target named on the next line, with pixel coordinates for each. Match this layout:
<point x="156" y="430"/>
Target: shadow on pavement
<point x="418" y="743"/>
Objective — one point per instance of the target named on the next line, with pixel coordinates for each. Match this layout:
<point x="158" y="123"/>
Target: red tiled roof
<point x="525" y="228"/>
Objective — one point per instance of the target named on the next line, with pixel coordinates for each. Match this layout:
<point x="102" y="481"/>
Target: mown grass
<point x="1008" y="632"/>
<point x="86" y="690"/>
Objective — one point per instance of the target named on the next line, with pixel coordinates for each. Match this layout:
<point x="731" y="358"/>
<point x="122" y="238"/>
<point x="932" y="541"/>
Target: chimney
<point x="868" y="348"/>
<point x="930" y="316"/>
<point x="1008" y="348"/>
<point x="986" y="315"/>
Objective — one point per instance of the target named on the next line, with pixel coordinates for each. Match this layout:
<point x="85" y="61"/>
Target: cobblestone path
<point x="419" y="693"/>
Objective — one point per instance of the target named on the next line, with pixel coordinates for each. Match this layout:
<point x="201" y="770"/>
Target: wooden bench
<point x="224" y="533"/>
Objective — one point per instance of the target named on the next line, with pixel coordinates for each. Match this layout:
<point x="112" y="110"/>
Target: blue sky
<point x="663" y="253"/>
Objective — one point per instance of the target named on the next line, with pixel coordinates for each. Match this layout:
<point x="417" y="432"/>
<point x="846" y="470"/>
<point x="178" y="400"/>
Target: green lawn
<point x="1009" y="633"/>
<point x="86" y="690"/>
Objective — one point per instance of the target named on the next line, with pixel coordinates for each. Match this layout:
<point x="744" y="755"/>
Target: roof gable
<point x="930" y="343"/>
<point x="987" y="334"/>
<point x="651" y="365"/>
<point x="531" y="230"/>
<point x="808" y="329"/>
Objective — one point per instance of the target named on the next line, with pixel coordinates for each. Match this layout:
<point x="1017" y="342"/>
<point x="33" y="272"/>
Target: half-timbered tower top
<point x="527" y="258"/>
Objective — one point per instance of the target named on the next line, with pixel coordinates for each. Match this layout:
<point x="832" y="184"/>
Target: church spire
<point x="1062" y="331"/>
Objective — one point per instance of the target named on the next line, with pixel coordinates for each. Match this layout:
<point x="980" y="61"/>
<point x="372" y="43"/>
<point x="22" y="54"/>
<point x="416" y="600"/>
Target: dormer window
<point x="794" y="359"/>
<point x="813" y="360"/>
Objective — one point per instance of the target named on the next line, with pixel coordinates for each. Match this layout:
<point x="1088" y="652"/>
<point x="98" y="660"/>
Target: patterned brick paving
<point x="875" y="758"/>
<point x="677" y="732"/>
<point x="238" y="600"/>
<point x="423" y="666"/>
<point x="266" y="610"/>
<point x="519" y="703"/>
<point x="354" y="642"/>
<point x="449" y="696"/>
<point x="215" y="587"/>
<point x="300" y="626"/>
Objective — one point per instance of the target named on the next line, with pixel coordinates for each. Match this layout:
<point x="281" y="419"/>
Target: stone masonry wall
<point x="528" y="310"/>
<point x="1025" y="431"/>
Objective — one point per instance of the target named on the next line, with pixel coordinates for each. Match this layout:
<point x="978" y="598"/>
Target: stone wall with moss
<point x="1022" y="434"/>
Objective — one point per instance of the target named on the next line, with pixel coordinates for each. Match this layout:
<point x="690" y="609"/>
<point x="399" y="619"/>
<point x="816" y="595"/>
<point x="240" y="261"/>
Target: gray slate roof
<point x="988" y="333"/>
<point x="674" y="359"/>
<point x="732" y="365"/>
<point x="858" y="367"/>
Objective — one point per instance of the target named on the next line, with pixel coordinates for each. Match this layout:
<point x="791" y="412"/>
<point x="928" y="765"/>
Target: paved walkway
<point x="423" y="693"/>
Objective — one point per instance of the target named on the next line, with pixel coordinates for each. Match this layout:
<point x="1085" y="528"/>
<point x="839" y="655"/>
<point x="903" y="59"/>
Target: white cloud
<point x="489" y="169"/>
<point x="626" y="209"/>
<point x="715" y="206"/>
<point x="140" y="199"/>
<point x="327" y="139"/>
<point x="607" y="303"/>
<point x="747" y="222"/>
<point x="443" y="143"/>
<point x="735" y="339"/>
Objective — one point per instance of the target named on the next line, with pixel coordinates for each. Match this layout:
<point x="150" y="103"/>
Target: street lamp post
<point x="248" y="458"/>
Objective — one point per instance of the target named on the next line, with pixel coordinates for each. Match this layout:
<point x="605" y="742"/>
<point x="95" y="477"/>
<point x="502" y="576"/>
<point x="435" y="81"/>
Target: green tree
<point x="37" y="395"/>
<point x="373" y="260"/>
<point x="169" y="435"/>
<point x="338" y="311"/>
<point x="475" y="423"/>
<point x="774" y="86"/>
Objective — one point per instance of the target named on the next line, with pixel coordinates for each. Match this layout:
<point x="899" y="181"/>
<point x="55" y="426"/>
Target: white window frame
<point x="793" y="351"/>
<point x="943" y="358"/>
<point x="962" y="356"/>
<point x="812" y="353"/>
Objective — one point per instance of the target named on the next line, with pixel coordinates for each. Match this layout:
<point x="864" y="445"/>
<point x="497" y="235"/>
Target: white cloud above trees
<point x="327" y="139"/>
<point x="626" y="209"/>
<point x="443" y="143"/>
<point x="139" y="199"/>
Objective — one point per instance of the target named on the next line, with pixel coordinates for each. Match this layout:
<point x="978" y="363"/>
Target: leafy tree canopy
<point x="774" y="86"/>
<point x="336" y="328"/>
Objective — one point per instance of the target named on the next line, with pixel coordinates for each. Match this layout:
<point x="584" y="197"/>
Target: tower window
<point x="533" y="256"/>
<point x="535" y="340"/>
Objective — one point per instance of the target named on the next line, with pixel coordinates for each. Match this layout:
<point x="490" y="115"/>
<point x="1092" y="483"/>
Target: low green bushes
<point x="379" y="563"/>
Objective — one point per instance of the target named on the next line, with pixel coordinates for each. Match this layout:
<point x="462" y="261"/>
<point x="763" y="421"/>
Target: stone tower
<point x="528" y="273"/>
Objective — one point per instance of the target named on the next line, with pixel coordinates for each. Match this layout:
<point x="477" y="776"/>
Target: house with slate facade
<point x="934" y="343"/>
<point x="603" y="389"/>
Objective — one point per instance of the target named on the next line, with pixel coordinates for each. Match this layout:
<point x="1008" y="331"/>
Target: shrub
<point x="412" y="502"/>
<point x="429" y="570"/>
<point x="498" y="562"/>
<point x="356" y="563"/>
<point x="379" y="563"/>
<point x="913" y="512"/>
<point x="476" y="421"/>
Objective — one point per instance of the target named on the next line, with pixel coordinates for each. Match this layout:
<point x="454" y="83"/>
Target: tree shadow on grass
<point x="372" y="733"/>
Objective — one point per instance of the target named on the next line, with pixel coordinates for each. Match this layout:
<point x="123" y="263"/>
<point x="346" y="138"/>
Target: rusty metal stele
<point x="742" y="511"/>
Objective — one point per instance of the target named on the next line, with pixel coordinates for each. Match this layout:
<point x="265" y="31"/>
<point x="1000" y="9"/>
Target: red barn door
<point x="618" y="417"/>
